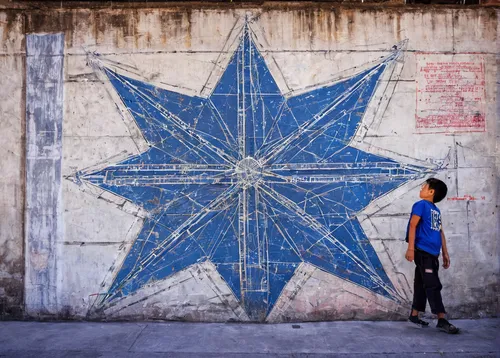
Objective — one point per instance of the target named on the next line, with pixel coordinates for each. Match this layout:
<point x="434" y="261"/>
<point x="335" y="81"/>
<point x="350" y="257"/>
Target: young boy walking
<point x="426" y="239"/>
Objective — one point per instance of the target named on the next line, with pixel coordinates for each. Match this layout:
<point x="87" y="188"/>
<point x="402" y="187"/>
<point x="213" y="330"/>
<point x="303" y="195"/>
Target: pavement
<point x="478" y="338"/>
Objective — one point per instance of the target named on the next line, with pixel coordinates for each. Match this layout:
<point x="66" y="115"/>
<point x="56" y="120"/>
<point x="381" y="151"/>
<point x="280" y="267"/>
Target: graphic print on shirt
<point x="435" y="220"/>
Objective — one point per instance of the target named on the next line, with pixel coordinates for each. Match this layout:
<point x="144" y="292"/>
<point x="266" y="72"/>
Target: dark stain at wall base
<point x="11" y="304"/>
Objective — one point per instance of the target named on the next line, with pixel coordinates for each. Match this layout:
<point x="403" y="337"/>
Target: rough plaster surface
<point x="195" y="294"/>
<point x="185" y="51"/>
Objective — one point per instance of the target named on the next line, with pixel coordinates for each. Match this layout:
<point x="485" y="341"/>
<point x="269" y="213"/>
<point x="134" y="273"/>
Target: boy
<point x="425" y="238"/>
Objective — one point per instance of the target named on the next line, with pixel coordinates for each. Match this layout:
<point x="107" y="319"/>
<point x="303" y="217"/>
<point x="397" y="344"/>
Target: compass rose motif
<point x="251" y="180"/>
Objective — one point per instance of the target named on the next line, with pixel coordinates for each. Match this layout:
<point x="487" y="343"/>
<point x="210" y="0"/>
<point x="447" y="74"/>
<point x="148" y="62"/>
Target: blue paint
<point x="253" y="182"/>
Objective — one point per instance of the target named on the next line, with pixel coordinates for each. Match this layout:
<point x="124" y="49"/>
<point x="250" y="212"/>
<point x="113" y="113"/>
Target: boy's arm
<point x="410" y="252"/>
<point x="446" y="257"/>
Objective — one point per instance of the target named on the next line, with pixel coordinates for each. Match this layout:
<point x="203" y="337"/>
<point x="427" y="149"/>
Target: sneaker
<point x="445" y="326"/>
<point x="417" y="321"/>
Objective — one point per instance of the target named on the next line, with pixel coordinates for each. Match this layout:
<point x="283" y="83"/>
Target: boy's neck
<point x="429" y="200"/>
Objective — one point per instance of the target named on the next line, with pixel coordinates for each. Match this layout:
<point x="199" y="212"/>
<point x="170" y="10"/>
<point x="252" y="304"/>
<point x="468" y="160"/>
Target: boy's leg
<point x="432" y="284"/>
<point x="433" y="289"/>
<point x="419" y="295"/>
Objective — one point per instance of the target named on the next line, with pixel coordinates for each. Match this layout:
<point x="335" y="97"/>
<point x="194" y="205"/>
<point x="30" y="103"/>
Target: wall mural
<point x="251" y="180"/>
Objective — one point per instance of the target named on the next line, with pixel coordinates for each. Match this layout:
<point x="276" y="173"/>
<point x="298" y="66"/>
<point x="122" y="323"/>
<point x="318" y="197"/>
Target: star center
<point x="249" y="172"/>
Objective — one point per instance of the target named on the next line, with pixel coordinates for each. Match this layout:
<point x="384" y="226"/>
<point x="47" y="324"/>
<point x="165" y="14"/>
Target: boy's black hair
<point x="439" y="187"/>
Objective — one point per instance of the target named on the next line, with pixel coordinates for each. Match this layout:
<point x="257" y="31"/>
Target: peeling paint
<point x="44" y="102"/>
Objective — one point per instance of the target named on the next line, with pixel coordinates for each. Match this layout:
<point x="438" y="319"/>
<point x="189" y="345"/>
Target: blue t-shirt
<point x="428" y="233"/>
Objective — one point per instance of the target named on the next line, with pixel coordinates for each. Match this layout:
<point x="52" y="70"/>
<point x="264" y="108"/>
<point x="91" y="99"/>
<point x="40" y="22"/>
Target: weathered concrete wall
<point x="12" y="162"/>
<point x="186" y="50"/>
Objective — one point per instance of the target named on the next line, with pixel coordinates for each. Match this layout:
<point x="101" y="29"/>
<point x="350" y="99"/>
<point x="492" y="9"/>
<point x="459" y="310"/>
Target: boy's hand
<point x="446" y="261"/>
<point x="410" y="255"/>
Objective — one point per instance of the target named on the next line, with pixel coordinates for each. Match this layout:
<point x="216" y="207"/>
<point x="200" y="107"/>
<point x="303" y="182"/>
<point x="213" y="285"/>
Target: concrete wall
<point x="66" y="234"/>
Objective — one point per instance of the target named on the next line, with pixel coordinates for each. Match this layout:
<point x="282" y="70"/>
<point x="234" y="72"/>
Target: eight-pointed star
<point x="252" y="181"/>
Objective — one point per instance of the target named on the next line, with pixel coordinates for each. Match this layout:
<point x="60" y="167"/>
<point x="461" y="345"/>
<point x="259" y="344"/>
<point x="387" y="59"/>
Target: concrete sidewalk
<point x="479" y="338"/>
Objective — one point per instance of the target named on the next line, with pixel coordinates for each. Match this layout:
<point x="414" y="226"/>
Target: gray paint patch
<point x="44" y="114"/>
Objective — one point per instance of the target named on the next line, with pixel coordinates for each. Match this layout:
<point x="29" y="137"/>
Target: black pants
<point x="426" y="285"/>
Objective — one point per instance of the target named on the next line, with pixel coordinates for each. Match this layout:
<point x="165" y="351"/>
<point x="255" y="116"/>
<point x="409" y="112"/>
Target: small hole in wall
<point x="295" y="326"/>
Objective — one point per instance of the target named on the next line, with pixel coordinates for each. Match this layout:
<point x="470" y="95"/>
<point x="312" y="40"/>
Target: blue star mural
<point x="252" y="181"/>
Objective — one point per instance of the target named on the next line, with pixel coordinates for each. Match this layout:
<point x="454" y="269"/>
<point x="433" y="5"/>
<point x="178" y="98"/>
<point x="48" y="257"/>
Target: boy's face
<point x="426" y="193"/>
